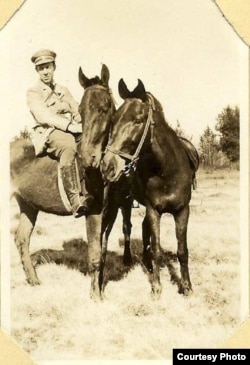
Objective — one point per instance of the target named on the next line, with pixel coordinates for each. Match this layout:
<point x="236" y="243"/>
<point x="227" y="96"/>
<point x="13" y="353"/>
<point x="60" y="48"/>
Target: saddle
<point x="191" y="153"/>
<point x="192" y="156"/>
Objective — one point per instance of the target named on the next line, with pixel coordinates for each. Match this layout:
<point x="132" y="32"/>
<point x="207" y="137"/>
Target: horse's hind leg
<point x="112" y="202"/>
<point x="26" y="225"/>
<point x="181" y="222"/>
<point x="147" y="254"/>
<point x="126" y="226"/>
<point x="108" y="219"/>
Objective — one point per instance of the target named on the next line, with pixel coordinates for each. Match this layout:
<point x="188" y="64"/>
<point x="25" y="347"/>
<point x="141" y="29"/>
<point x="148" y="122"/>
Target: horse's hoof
<point x="34" y="282"/>
<point x="156" y="292"/>
<point x="186" y="290"/>
<point x="96" y="296"/>
<point x="155" y="296"/>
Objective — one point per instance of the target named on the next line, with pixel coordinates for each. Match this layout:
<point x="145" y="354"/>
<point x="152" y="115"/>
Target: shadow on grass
<point x="75" y="256"/>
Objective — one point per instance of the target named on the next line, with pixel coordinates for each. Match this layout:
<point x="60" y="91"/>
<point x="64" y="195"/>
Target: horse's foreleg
<point x="94" y="225"/>
<point x="108" y="219"/>
<point x="153" y="218"/>
<point x="26" y="225"/>
<point x="181" y="222"/>
<point x="126" y="227"/>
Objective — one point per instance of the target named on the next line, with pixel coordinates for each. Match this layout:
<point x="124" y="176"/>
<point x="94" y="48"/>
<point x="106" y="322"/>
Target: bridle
<point x="101" y="87"/>
<point x="131" y="165"/>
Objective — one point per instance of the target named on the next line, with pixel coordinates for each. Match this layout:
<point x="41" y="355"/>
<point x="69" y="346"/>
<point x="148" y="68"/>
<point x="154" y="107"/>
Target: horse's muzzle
<point x="112" y="167"/>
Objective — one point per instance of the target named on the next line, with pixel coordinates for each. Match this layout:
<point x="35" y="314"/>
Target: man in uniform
<point x="58" y="124"/>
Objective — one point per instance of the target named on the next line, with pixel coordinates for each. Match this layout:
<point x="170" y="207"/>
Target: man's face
<point x="46" y="72"/>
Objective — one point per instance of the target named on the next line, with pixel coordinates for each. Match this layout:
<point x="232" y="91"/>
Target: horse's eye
<point x="138" y="120"/>
<point x="139" y="117"/>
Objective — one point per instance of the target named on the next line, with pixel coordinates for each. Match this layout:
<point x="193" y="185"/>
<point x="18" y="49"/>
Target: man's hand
<point x="76" y="117"/>
<point x="74" y="128"/>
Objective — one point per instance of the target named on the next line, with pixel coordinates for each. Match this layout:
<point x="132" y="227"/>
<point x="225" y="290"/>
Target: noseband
<point x="135" y="157"/>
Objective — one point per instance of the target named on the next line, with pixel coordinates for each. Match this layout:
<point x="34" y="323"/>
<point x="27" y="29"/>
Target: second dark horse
<point x="165" y="172"/>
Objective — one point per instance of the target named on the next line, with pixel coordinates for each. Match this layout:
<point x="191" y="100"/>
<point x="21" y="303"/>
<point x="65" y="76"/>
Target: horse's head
<point x="96" y="109"/>
<point x="131" y="123"/>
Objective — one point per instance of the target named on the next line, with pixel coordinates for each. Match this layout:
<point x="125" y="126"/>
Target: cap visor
<point x="44" y="60"/>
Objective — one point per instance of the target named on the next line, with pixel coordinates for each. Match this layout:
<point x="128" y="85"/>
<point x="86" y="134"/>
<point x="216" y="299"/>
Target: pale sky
<point x="183" y="50"/>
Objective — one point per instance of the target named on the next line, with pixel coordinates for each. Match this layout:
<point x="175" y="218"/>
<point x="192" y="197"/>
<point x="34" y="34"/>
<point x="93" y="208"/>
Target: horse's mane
<point x="157" y="104"/>
<point x="158" y="108"/>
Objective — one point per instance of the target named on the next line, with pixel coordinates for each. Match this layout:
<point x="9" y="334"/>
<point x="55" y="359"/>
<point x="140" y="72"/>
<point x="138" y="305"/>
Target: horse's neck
<point x="165" y="146"/>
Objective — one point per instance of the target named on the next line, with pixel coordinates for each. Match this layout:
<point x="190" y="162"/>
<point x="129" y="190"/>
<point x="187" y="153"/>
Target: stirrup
<point x="84" y="206"/>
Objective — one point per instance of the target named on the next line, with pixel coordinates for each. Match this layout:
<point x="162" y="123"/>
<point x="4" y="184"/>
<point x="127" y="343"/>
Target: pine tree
<point x="228" y="125"/>
<point x="208" y="148"/>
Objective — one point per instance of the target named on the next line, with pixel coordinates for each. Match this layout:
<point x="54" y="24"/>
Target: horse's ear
<point x="123" y="90"/>
<point x="105" y="75"/>
<point x="140" y="92"/>
<point x="84" y="81"/>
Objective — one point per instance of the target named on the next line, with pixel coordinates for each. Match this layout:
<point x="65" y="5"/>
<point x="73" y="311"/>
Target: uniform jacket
<point x="51" y="108"/>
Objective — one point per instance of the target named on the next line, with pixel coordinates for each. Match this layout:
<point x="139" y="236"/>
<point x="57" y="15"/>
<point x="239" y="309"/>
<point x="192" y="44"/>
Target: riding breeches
<point x="62" y="147"/>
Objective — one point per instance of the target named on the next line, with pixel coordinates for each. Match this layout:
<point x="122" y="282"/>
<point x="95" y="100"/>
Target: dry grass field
<point x="57" y="320"/>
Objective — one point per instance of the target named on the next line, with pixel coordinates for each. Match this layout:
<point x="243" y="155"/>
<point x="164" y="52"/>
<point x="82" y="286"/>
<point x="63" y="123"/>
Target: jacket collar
<point x="57" y="89"/>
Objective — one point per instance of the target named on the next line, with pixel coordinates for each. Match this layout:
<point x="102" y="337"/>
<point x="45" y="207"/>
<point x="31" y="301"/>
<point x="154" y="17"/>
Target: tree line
<point x="217" y="149"/>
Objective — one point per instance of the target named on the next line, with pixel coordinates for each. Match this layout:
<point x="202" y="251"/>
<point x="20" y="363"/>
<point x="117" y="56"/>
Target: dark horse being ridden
<point x="35" y="184"/>
<point x="165" y="168"/>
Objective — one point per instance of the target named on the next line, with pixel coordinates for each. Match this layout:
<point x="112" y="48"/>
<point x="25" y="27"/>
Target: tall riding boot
<point x="80" y="204"/>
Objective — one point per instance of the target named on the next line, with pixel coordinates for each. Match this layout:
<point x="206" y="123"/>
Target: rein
<point x="135" y="157"/>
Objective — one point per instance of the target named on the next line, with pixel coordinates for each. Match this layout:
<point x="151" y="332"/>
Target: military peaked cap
<point x="43" y="56"/>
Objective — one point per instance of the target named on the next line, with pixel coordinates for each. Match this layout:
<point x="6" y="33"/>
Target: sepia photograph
<point x="124" y="192"/>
